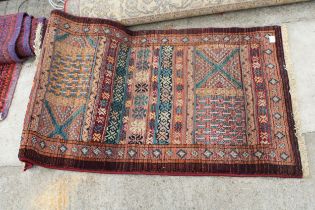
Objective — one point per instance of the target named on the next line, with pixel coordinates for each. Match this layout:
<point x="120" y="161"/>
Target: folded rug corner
<point x="17" y="34"/>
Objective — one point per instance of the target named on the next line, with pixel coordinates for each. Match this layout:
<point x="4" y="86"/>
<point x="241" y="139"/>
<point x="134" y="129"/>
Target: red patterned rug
<point x="208" y="101"/>
<point x="17" y="35"/>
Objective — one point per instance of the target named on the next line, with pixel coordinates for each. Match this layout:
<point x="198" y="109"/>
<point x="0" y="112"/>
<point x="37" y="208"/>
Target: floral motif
<point x="142" y="87"/>
<point x="137" y="126"/>
<point x="143" y="54"/>
<point x="139" y="112"/>
<point x="141" y="100"/>
<point x="142" y="76"/>
<point x="143" y="65"/>
<point x="178" y="126"/>
<point x="135" y="139"/>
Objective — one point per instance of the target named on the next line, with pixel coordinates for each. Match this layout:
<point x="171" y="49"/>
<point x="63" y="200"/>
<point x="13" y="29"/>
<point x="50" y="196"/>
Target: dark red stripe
<point x="192" y="169"/>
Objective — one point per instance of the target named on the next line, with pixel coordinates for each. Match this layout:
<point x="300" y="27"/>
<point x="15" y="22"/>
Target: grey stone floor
<point x="41" y="188"/>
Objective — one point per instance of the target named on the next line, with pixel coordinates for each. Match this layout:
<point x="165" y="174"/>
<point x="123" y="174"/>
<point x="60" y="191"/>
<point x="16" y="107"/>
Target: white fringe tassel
<point x="294" y="99"/>
<point x="37" y="41"/>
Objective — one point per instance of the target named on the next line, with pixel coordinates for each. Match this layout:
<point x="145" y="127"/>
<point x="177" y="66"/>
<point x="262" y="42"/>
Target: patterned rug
<point x="17" y="35"/>
<point x="208" y="101"/>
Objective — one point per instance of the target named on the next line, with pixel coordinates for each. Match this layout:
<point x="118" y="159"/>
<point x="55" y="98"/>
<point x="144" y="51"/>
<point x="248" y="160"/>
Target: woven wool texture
<point x="17" y="35"/>
<point x="209" y="101"/>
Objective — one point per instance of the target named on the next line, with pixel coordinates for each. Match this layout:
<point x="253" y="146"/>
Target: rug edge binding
<point x="295" y="105"/>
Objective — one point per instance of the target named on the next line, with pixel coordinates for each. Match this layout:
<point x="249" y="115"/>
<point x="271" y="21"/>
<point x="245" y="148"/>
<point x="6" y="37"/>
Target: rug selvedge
<point x="196" y="101"/>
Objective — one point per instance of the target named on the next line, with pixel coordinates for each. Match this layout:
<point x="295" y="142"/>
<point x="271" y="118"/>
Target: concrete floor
<point x="41" y="188"/>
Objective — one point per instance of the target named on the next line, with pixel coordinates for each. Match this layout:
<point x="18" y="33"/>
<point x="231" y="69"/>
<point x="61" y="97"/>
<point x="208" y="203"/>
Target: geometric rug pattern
<point x="209" y="101"/>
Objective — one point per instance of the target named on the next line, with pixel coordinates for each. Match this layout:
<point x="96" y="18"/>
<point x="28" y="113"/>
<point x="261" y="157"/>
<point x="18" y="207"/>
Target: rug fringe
<point x="37" y="41"/>
<point x="27" y="166"/>
<point x="295" y="106"/>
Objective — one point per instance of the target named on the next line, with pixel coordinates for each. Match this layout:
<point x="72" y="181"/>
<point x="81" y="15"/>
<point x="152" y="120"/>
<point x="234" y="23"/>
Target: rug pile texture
<point x="17" y="41"/>
<point x="210" y="101"/>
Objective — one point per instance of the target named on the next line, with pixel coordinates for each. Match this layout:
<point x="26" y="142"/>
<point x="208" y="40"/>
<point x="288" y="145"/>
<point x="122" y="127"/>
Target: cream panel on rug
<point x="145" y="11"/>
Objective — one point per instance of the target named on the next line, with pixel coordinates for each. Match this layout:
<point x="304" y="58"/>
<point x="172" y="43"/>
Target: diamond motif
<point x="206" y="39"/>
<point x="42" y="144"/>
<point x="157" y="153"/>
<point x="221" y="154"/>
<point x="96" y="151"/>
<point x="120" y="153"/>
<point x="86" y="29"/>
<point x="34" y="140"/>
<point x="273" y="81"/>
<point x="257" y="37"/>
<point x="132" y="153"/>
<point x="270" y="65"/>
<point x="281" y="145"/>
<point x="144" y="40"/>
<point x="284" y="156"/>
<point x="268" y="51"/>
<point x="258" y="154"/>
<point x="279" y="135"/>
<point x="247" y="38"/>
<point x="226" y="39"/>
<point x="272" y="154"/>
<point x="207" y="153"/>
<point x="233" y="154"/>
<point x="169" y="153"/>
<point x="267" y="36"/>
<point x="275" y="99"/>
<point x="84" y="150"/>
<point x="181" y="153"/>
<point x="52" y="147"/>
<point x="66" y="26"/>
<point x="63" y="148"/>
<point x="185" y="39"/>
<point x="106" y="30"/>
<point x="245" y="154"/>
<point x="74" y="149"/>
<point x="145" y="153"/>
<point x="164" y="40"/>
<point x="108" y="152"/>
<point x="277" y="116"/>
